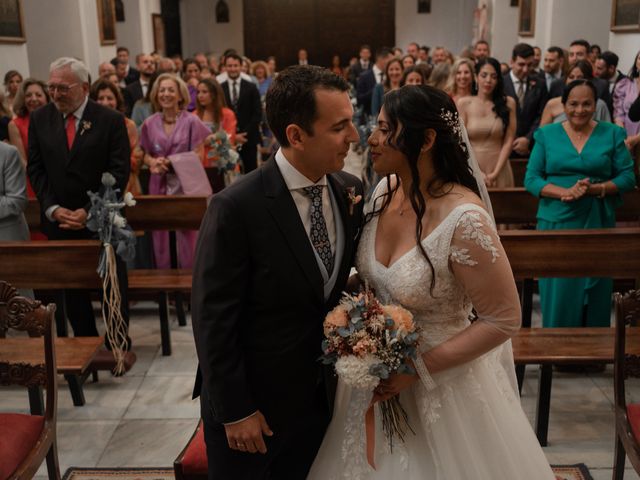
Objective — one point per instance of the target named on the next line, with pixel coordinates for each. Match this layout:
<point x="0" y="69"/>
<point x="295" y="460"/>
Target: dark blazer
<point x="364" y="90"/>
<point x="257" y="301"/>
<point x="62" y="177"/>
<point x="602" y="88"/>
<point x="131" y="95"/>
<point x="356" y="69"/>
<point x="528" y="115"/>
<point x="248" y="110"/>
<point x="132" y="76"/>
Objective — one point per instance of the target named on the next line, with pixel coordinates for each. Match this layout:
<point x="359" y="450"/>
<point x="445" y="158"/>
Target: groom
<point x="274" y="254"/>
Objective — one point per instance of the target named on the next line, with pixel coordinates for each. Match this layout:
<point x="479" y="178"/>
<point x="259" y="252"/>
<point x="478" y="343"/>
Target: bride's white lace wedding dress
<point x="468" y="421"/>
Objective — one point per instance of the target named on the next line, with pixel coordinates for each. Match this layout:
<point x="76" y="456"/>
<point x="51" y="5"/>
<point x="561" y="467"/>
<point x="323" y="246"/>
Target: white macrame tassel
<point x="114" y="323"/>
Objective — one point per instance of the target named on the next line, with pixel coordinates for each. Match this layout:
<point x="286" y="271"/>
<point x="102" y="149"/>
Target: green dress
<point x="574" y="302"/>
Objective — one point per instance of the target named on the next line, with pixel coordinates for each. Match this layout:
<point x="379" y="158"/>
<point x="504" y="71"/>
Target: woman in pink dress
<point x="169" y="131"/>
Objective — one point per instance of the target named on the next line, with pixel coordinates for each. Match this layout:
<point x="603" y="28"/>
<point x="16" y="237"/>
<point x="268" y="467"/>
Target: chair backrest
<point x="627" y="314"/>
<point x="27" y="364"/>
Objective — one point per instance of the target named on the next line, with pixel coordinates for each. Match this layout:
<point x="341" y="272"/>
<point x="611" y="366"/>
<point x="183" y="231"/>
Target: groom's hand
<point x="247" y="435"/>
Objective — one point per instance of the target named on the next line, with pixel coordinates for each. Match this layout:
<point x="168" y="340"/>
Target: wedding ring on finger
<point x="240" y="445"/>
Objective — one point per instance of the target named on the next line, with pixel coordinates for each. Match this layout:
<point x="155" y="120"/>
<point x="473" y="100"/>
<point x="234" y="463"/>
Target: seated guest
<point x="12" y="81"/>
<point x="579" y="183"/>
<point x="31" y="96"/>
<point x="440" y="75"/>
<point x="392" y="79"/>
<point x="260" y="71"/>
<point x="211" y="109"/>
<point x="138" y="89"/>
<point x="108" y="95"/>
<point x="553" y="63"/>
<point x="624" y="95"/>
<point x="13" y="195"/>
<point x="368" y="79"/>
<point x="460" y="83"/>
<point x="171" y="130"/>
<point x="490" y="119"/>
<point x="530" y="95"/>
<point x="414" y="76"/>
<point x="554" y="110"/>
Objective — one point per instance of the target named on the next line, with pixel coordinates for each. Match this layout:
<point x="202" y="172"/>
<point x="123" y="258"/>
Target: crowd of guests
<point x="570" y="110"/>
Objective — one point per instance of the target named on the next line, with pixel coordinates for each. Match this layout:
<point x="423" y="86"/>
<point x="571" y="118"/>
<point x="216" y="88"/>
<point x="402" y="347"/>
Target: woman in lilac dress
<point x="625" y="93"/>
<point x="169" y="131"/>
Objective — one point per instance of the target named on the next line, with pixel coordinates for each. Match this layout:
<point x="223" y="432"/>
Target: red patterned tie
<point x="71" y="130"/>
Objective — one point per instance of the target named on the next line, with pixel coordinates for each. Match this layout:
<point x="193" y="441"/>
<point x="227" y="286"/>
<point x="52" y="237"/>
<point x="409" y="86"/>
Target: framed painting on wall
<point x="11" y="26"/>
<point x="107" y="21"/>
<point x="625" y="16"/>
<point x="157" y="24"/>
<point x="527" y="18"/>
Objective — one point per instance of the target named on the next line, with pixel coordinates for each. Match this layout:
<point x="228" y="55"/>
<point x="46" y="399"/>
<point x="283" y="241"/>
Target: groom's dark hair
<point x="291" y="98"/>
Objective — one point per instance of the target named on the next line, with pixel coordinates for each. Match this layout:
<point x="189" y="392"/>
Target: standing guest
<point x="166" y="65"/>
<point x="397" y="52"/>
<point x="481" y="50"/>
<point x="370" y="78"/>
<point x="31" y="96"/>
<point x="121" y="72"/>
<point x="143" y="108"/>
<point x="73" y="141"/>
<point x="412" y="49"/>
<point x="594" y="54"/>
<point x="12" y="81"/>
<point x="335" y="66"/>
<point x="243" y="98"/>
<point x="504" y="68"/>
<point x="169" y="131"/>
<point x="260" y="70"/>
<point x="106" y="69"/>
<point x="201" y="58"/>
<point x="579" y="183"/>
<point x="440" y="75"/>
<point x="408" y="61"/>
<point x="537" y="57"/>
<point x="606" y="68"/>
<point x="623" y="96"/>
<point x="5" y="119"/>
<point x="178" y="62"/>
<point x="578" y="50"/>
<point x="392" y="79"/>
<point x="530" y="94"/>
<point x="213" y="64"/>
<point x="460" y="83"/>
<point x="303" y="57"/>
<point x="423" y="55"/>
<point x="108" y="95"/>
<point x="191" y="76"/>
<point x="490" y="118"/>
<point x="439" y="55"/>
<point x="138" y="89"/>
<point x="554" y="109"/>
<point x="273" y="67"/>
<point x="212" y="110"/>
<point x="205" y="72"/>
<point x="13" y="196"/>
<point x="414" y="76"/>
<point x="122" y="58"/>
<point x="363" y="64"/>
<point x="553" y="64"/>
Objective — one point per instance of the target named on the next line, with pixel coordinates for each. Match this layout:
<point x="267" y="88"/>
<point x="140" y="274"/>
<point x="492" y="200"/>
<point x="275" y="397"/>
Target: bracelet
<point x="603" y="192"/>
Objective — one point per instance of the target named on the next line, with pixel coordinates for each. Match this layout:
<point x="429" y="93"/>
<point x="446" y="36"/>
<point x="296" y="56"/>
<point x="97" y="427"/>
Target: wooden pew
<point x="71" y="264"/>
<point x="567" y="253"/>
<point x="519" y="168"/>
<point x="517" y="206"/>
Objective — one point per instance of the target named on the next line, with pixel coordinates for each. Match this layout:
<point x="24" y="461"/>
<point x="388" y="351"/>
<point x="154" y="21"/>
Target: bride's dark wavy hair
<point x="411" y="111"/>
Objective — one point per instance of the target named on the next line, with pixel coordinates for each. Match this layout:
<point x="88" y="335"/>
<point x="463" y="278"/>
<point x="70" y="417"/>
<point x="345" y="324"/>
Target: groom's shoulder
<point x="349" y="180"/>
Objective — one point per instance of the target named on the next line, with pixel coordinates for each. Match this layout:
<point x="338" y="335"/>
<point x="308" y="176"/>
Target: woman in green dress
<point x="579" y="168"/>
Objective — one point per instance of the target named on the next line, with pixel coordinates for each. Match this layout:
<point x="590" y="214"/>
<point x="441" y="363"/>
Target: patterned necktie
<point x="71" y="130"/>
<point x="234" y="94"/>
<point x="520" y="92"/>
<point x="319" y="234"/>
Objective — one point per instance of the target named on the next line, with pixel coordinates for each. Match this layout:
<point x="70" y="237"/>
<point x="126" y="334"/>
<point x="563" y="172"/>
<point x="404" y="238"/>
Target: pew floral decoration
<point x="117" y="238"/>
<point x="224" y="156"/>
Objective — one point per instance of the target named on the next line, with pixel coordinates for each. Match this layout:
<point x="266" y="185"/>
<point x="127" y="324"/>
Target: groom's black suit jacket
<point x="257" y="301"/>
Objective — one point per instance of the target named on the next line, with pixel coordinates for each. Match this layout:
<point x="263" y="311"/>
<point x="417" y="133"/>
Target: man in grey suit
<point x="13" y="195"/>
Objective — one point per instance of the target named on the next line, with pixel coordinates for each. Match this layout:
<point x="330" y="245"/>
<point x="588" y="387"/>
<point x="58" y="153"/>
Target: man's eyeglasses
<point x="62" y="89"/>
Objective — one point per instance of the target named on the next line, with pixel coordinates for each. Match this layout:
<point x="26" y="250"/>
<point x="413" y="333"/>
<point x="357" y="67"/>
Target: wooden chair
<point x="627" y="312"/>
<point x="25" y="440"/>
<point x="192" y="463"/>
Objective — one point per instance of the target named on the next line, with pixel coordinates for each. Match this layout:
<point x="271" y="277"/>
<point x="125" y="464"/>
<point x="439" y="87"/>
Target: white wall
<point x="210" y="36"/>
<point x="136" y="32"/>
<point x="449" y="24"/>
<point x="626" y="45"/>
<point x="573" y="19"/>
<point x="504" y="29"/>
<point x="13" y="56"/>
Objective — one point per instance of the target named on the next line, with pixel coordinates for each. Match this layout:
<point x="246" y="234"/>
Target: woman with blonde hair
<point x="440" y="75"/>
<point x="460" y="83"/>
<point x="260" y="70"/>
<point x="169" y="131"/>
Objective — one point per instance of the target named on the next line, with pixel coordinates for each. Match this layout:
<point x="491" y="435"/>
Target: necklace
<point x="169" y="122"/>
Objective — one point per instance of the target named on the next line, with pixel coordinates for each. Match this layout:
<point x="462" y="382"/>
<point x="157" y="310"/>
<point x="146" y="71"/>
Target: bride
<point x="430" y="245"/>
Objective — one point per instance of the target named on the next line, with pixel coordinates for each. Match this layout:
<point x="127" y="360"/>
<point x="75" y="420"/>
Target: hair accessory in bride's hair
<point x="453" y="122"/>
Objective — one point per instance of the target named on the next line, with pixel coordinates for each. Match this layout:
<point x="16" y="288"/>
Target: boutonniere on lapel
<point x="85" y="127"/>
<point x="353" y="198"/>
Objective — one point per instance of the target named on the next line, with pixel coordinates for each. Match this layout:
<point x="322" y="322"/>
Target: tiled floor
<point x="145" y="418"/>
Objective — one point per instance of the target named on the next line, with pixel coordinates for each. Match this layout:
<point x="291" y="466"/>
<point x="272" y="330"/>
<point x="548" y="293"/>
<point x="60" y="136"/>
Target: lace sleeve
<point x="479" y="264"/>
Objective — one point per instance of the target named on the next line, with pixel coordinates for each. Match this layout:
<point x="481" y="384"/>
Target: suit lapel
<point x="284" y="212"/>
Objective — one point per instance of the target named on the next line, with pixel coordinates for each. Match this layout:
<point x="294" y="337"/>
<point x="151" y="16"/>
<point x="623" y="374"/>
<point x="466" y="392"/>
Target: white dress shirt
<point x="516" y="83"/>
<point x="223" y="77"/>
<point x="376" y="74"/>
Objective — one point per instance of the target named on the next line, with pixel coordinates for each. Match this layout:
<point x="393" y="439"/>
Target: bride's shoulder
<point x="460" y="199"/>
